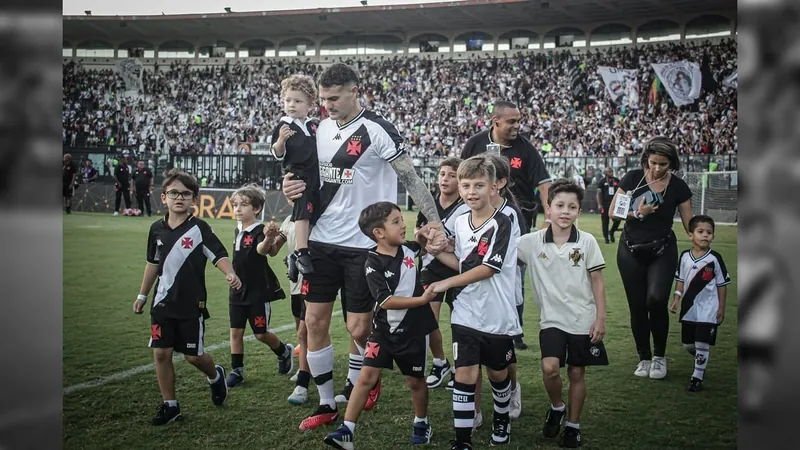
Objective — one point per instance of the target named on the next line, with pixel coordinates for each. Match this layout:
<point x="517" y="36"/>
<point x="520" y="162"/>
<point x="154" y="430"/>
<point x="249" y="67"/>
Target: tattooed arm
<point x="416" y="188"/>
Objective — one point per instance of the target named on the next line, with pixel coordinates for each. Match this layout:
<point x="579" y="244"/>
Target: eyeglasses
<point x="183" y="195"/>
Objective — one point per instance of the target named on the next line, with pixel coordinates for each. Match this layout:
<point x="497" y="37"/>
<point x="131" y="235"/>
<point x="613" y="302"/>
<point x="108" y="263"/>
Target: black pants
<point x="604" y="217"/>
<point x="143" y="200"/>
<point x="648" y="284"/>
<point x="122" y="192"/>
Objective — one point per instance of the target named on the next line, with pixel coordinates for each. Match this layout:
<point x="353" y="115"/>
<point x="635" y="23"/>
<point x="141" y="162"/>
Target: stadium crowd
<point x="436" y="104"/>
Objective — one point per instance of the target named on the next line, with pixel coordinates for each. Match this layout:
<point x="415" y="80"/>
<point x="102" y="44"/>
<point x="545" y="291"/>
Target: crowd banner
<point x="682" y="81"/>
<point x="622" y="85"/>
<point x="732" y="80"/>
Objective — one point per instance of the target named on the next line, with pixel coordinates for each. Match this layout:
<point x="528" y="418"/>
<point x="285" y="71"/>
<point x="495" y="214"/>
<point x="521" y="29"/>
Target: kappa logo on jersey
<point x="408" y="261"/>
<point x="370" y="270"/>
<point x="483" y="246"/>
<point x="473" y="239"/>
<point x="155" y="332"/>
<point x="248" y="240"/>
<point x="187" y="243"/>
<point x="576" y="256"/>
<point x="388" y="274"/>
<point x="354" y="146"/>
<point x="708" y="273"/>
<point x="516" y="163"/>
<point x="338" y="137"/>
<point x="543" y="256"/>
<point x="497" y="258"/>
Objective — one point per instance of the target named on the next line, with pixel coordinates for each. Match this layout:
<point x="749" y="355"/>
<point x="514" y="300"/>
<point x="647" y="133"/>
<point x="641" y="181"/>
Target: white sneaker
<point x="643" y="369"/>
<point x="299" y="396"/>
<point x="515" y="406"/>
<point x="116" y="213"/>
<point x="658" y="369"/>
<point x="294" y="377"/>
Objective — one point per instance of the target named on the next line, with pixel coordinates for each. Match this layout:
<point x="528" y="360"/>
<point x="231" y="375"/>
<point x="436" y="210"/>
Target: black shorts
<point x="298" y="307"/>
<point x="305" y="206"/>
<point x="427" y="278"/>
<point x="573" y="349"/>
<point x="336" y="268"/>
<point x="411" y="357"/>
<point x="184" y="336"/>
<point x="67" y="190"/>
<point x="472" y="348"/>
<point x="692" y="332"/>
<point x="258" y="314"/>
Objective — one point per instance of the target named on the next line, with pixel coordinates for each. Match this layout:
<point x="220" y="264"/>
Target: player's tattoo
<point x="416" y="187"/>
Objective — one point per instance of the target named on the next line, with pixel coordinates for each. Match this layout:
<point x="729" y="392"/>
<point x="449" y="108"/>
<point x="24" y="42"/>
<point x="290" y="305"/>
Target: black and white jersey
<point x="355" y="172"/>
<point x="259" y="283"/>
<point x="301" y="148"/>
<point x="517" y="220"/>
<point x="435" y="267"/>
<point x="701" y="277"/>
<point x="396" y="275"/>
<point x="488" y="306"/>
<point x="181" y="255"/>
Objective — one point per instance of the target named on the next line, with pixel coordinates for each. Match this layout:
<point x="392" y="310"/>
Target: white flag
<point x="681" y="79"/>
<point x="131" y="69"/>
<point x="622" y="85"/>
<point x="732" y="80"/>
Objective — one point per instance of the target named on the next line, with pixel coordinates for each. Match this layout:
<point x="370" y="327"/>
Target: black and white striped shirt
<point x="181" y="255"/>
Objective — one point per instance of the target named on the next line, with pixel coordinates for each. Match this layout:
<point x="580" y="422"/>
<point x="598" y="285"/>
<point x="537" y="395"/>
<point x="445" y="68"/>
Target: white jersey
<point x="488" y="306"/>
<point x="561" y="278"/>
<point x="354" y="172"/>
<point x="287" y="228"/>
<point x="701" y="277"/>
<point x="515" y="215"/>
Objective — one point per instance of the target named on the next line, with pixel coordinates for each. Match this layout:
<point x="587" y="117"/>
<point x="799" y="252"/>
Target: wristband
<point x="141" y="297"/>
<point x="679" y="293"/>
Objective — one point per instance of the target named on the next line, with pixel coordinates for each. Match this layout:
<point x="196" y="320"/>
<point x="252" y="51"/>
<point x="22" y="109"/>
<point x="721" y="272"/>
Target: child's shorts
<point x="692" y="332"/>
<point x="573" y="349"/>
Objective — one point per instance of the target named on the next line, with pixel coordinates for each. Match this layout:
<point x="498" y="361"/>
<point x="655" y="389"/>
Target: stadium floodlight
<point x="88" y="12"/>
<point x="227" y="9"/>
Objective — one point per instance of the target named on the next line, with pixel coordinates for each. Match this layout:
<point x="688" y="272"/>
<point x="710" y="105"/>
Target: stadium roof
<point x="477" y="15"/>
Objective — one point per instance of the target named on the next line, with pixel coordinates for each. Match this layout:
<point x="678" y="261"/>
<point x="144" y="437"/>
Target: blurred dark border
<point x="30" y="224"/>
<point x="769" y="121"/>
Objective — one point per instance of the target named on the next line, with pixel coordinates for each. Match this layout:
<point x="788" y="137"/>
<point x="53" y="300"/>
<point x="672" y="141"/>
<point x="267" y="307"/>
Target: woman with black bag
<point x="647" y="255"/>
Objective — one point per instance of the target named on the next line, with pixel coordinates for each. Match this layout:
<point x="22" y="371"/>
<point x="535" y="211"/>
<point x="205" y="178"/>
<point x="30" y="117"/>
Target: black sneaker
<point x="234" y="379"/>
<point x="571" y="438"/>
<point x="166" y="414"/>
<point x="293" y="271"/>
<point x="552" y="422"/>
<point x="344" y="397"/>
<point x="304" y="261"/>
<point x="611" y="236"/>
<point x="460" y="446"/>
<point x="695" y="385"/>
<point x="519" y="344"/>
<point x="285" y="365"/>
<point x="438" y="374"/>
<point x="501" y="432"/>
<point x="219" y="390"/>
